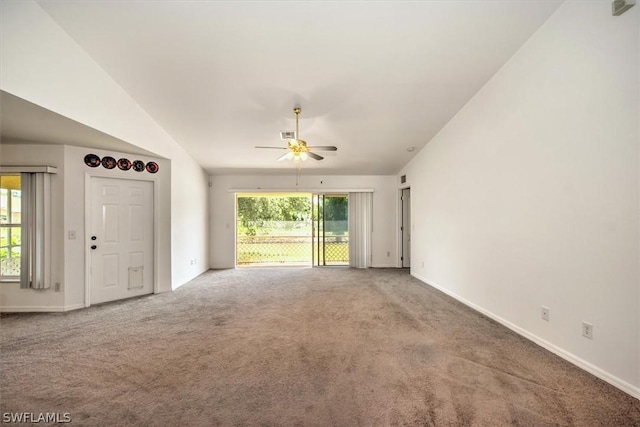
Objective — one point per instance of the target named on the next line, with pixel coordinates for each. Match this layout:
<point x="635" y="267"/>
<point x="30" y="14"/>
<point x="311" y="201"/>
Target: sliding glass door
<point x="292" y="229"/>
<point x="273" y="229"/>
<point x="330" y="229"/>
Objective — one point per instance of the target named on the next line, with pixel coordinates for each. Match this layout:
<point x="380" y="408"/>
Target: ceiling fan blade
<point x="283" y="157"/>
<point x="314" y="155"/>
<point x="323" y="148"/>
<point x="277" y="148"/>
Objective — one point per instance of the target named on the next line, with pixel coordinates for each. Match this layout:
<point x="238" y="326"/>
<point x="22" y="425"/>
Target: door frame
<point x="88" y="176"/>
<point x="400" y="240"/>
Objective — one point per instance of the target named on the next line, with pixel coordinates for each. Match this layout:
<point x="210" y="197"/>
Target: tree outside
<point x="263" y="215"/>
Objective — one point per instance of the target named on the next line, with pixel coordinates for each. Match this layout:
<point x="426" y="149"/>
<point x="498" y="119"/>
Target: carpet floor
<point x="288" y="347"/>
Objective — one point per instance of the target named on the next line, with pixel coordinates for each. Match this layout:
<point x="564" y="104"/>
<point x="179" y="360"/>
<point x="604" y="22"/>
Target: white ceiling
<point x="372" y="78"/>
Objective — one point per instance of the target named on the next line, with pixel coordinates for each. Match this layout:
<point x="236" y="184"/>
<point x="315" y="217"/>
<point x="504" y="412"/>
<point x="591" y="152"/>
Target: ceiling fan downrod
<point x="297" y="110"/>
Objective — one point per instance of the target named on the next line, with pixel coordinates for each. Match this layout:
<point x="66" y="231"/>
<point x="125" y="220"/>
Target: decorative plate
<point x="92" y="160"/>
<point x="138" y="165"/>
<point x="124" y="164"/>
<point x="108" y="162"/>
<point x="152" y="167"/>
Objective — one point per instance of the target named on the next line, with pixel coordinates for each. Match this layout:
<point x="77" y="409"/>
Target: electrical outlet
<point x="544" y="313"/>
<point x="56" y="287"/>
<point x="193" y="262"/>
<point x="72" y="234"/>
<point x="587" y="330"/>
<point x="388" y="254"/>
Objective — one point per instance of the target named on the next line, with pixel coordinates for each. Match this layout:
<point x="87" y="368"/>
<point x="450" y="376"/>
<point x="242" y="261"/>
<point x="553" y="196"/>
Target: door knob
<point x="93" y="237"/>
<point x="93" y="246"/>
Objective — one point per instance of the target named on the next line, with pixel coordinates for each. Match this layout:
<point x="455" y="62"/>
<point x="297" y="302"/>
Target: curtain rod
<point x="301" y="190"/>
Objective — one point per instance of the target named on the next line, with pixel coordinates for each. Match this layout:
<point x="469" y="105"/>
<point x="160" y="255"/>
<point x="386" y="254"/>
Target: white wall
<point x="189" y="219"/>
<point x="385" y="205"/>
<point x="11" y="296"/>
<point x="529" y="196"/>
<point x="42" y="64"/>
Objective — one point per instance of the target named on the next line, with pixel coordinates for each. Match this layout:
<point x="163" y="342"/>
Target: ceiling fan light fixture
<point x="297" y="148"/>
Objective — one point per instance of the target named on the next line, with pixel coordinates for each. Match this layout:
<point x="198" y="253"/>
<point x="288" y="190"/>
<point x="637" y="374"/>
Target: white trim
<point x="301" y="190"/>
<point x="399" y="219"/>
<point x="570" y="357"/>
<point x="384" y="266"/>
<point x="73" y="307"/>
<point x="39" y="308"/>
<point x="28" y="169"/>
<point x="87" y="229"/>
<point x="156" y="236"/>
<point x="235" y="230"/>
<point x="31" y="309"/>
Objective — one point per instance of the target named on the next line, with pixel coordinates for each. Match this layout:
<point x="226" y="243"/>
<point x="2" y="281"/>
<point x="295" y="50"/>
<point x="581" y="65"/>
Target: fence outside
<point x="290" y="243"/>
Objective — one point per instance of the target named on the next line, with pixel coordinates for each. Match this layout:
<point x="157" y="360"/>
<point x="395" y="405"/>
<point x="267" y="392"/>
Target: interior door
<point x="121" y="239"/>
<point x="406" y="227"/>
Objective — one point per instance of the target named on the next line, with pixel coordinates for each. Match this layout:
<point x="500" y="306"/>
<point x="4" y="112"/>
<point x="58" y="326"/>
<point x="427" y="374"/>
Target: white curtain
<point x="360" y="229"/>
<point x="36" y="231"/>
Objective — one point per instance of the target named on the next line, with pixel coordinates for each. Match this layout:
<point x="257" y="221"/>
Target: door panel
<point x="330" y="229"/>
<point x="406" y="227"/>
<point x="122" y="223"/>
<point x="273" y="229"/>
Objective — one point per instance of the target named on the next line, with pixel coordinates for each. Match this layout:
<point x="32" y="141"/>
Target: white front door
<point x="121" y="239"/>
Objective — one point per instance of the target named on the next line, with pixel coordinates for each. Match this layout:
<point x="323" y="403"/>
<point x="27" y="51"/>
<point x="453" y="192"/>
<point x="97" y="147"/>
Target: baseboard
<point x="630" y="389"/>
<point x="384" y="266"/>
<point x="31" y="309"/>
<point x="39" y="308"/>
<point x="73" y="307"/>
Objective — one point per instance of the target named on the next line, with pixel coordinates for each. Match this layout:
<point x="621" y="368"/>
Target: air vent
<point x="403" y="179"/>
<point x="618" y="7"/>
<point x="287" y="134"/>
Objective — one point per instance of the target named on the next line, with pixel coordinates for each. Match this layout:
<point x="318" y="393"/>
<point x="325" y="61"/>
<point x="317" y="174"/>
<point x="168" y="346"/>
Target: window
<point x="10" y="227"/>
<point x="25" y="225"/>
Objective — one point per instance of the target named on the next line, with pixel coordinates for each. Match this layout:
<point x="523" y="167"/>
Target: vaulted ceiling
<point x="372" y="78"/>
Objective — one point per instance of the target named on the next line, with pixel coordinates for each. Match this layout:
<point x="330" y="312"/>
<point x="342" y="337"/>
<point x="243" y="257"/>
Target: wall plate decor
<point x="138" y="165"/>
<point x="152" y="167"/>
<point x="124" y="164"/>
<point x="92" y="160"/>
<point x="108" y="162"/>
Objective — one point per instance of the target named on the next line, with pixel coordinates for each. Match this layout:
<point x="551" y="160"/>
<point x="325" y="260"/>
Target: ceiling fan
<point x="297" y="148"/>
